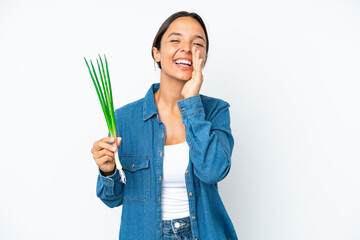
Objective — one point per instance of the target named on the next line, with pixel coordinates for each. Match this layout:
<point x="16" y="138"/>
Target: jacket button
<point x="190" y="193"/>
<point x="133" y="165"/>
<point x="162" y="134"/>
<point x="182" y="109"/>
<point x="186" y="171"/>
<point x="160" y="178"/>
<point x="160" y="154"/>
<point x="196" y="238"/>
<point x="193" y="217"/>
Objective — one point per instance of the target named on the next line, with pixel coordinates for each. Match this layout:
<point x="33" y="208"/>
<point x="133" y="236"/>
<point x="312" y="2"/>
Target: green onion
<point x="106" y="100"/>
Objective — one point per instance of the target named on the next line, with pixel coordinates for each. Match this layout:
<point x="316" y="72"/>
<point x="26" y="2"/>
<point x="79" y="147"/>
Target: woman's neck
<point x="169" y="93"/>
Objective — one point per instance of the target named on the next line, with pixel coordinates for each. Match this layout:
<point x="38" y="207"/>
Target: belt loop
<point x="172" y="226"/>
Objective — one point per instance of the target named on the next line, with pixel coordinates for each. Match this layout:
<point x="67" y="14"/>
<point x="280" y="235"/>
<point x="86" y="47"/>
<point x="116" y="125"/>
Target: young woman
<point x="175" y="146"/>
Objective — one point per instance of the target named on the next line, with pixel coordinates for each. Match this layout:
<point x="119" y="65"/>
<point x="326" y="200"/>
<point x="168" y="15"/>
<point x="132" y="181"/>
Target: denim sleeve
<point x="110" y="189"/>
<point x="211" y="142"/>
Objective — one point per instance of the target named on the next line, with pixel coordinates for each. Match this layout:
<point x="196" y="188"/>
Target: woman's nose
<point x="186" y="47"/>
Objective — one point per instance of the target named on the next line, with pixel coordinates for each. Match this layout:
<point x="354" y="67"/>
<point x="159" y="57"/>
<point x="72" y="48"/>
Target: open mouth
<point x="184" y="63"/>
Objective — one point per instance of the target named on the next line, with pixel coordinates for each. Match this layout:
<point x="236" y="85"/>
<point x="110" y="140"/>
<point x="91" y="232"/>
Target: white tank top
<point x="174" y="198"/>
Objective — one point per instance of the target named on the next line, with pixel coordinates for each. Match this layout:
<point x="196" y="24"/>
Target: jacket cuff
<point x="109" y="180"/>
<point x="190" y="106"/>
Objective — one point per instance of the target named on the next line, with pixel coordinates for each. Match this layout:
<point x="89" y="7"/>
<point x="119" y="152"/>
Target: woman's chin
<point x="184" y="77"/>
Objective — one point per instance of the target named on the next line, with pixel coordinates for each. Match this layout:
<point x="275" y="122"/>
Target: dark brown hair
<point x="166" y="24"/>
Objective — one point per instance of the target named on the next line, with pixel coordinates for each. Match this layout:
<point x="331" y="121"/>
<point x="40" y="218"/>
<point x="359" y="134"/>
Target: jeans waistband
<point x="176" y="225"/>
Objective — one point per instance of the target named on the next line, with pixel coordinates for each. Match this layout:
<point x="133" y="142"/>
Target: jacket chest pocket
<point x="137" y="173"/>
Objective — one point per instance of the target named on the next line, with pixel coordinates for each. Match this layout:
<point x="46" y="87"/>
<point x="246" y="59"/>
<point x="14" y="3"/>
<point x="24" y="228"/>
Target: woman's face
<point x="178" y="44"/>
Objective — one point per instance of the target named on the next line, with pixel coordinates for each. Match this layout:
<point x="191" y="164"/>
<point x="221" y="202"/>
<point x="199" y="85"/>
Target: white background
<point x="290" y="71"/>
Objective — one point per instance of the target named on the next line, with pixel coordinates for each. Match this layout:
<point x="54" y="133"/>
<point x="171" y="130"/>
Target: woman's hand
<point x="103" y="154"/>
<point x="192" y="86"/>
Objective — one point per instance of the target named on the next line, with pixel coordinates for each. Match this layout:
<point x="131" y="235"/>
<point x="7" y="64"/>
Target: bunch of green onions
<point x="106" y="100"/>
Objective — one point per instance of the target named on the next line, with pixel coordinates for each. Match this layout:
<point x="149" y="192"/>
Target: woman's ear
<point x="156" y="54"/>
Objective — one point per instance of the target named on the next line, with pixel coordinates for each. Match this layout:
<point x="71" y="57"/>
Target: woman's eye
<point x="199" y="44"/>
<point x="174" y="41"/>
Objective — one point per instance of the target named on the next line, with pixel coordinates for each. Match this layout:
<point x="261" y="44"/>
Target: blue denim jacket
<point x="208" y="134"/>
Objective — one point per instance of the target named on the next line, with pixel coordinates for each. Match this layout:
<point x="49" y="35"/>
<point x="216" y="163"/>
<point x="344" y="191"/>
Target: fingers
<point x="104" y="143"/>
<point x="201" y="62"/>
<point x="102" y="153"/>
<point x="194" y="58"/>
<point x="96" y="146"/>
<point x="118" y="141"/>
<point x="107" y="139"/>
<point x="102" y="150"/>
<point x="197" y="61"/>
<point x="105" y="159"/>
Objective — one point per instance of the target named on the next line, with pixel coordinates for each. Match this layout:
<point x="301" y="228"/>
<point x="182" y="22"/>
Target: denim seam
<point x="190" y="114"/>
<point x="172" y="226"/>
<point x="134" y="169"/>
<point x="189" y="98"/>
<point x="113" y="198"/>
<point x="133" y="156"/>
<point x="182" y="230"/>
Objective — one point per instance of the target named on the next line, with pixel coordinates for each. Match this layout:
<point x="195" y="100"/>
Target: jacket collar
<point x="150" y="107"/>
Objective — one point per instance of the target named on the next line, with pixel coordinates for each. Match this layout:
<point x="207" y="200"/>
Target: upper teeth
<point x="183" y="61"/>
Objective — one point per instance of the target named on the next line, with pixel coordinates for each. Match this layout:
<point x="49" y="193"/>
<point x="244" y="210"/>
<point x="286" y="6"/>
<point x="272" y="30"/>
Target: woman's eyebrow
<point x="179" y="34"/>
<point x="198" y="36"/>
<point x="175" y="33"/>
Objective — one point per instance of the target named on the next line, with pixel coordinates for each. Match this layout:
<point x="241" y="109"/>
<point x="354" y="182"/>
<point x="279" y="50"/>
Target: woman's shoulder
<point x="130" y="107"/>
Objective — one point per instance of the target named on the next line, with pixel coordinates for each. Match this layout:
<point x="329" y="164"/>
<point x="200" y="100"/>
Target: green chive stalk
<point x="106" y="100"/>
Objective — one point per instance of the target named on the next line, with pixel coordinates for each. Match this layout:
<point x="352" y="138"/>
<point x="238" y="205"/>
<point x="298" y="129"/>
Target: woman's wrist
<point x="107" y="173"/>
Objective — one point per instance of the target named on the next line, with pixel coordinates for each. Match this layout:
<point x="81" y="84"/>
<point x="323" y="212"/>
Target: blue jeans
<point x="179" y="229"/>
